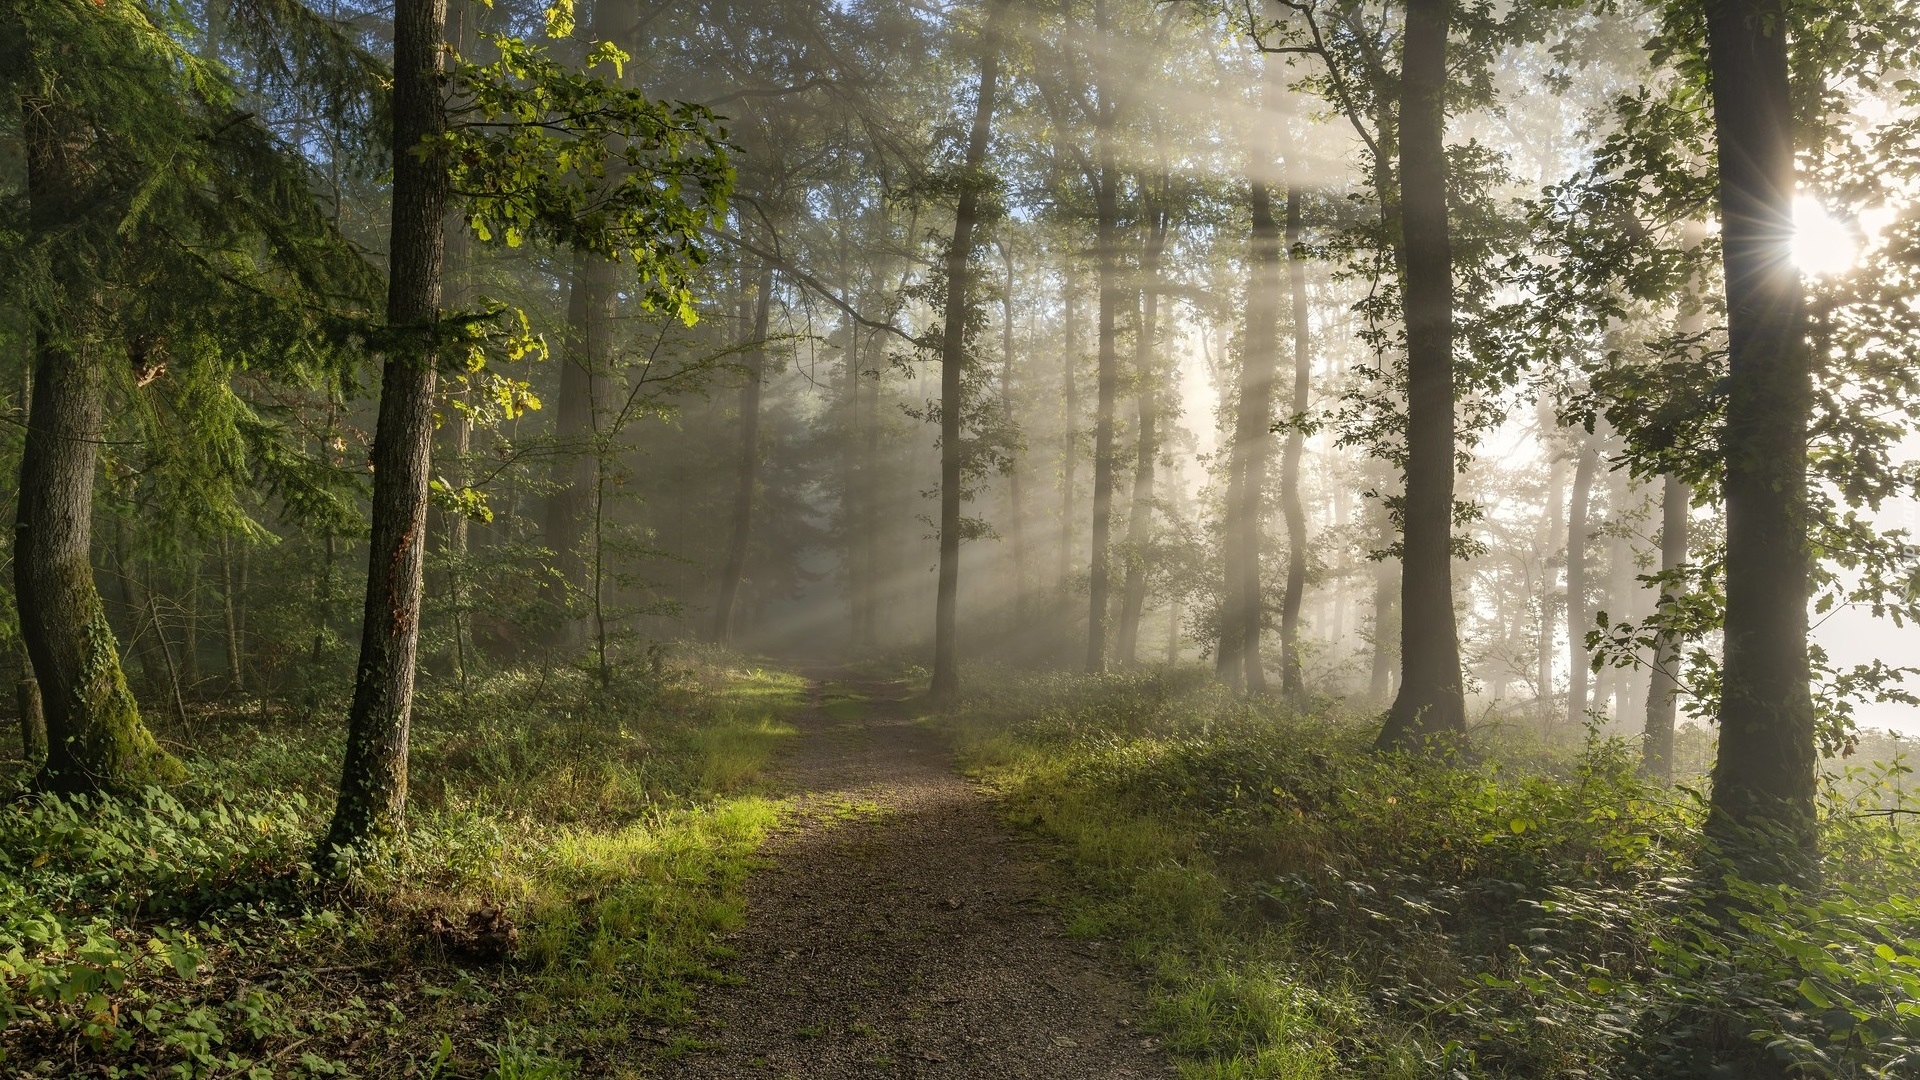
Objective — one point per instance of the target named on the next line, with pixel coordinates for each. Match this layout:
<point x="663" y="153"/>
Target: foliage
<point x="1312" y="909"/>
<point x="569" y="857"/>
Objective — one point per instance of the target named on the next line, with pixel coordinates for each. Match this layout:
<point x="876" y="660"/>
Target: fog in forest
<point x="1413" y="502"/>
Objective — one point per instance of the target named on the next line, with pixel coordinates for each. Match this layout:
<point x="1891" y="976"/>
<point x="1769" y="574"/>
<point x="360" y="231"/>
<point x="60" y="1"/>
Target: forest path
<point x="897" y="932"/>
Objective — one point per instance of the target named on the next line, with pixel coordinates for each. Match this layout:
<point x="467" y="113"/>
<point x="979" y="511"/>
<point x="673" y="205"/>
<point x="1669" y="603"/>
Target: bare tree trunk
<point x="1577" y="583"/>
<point x="373" y="785"/>
<point x="1676" y="500"/>
<point x="1133" y="597"/>
<point x="1070" y="447"/>
<point x="1016" y="533"/>
<point x="1380" y="679"/>
<point x="1763" y="778"/>
<point x="1549" y="543"/>
<point x="1292" y="683"/>
<point x="953" y="360"/>
<point x="747" y="474"/>
<point x="583" y="387"/>
<point x="1106" y="241"/>
<point x="236" y="678"/>
<point x="1253" y="437"/>
<point x="1431" y="702"/>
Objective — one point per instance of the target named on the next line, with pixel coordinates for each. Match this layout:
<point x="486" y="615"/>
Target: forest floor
<point x="899" y="930"/>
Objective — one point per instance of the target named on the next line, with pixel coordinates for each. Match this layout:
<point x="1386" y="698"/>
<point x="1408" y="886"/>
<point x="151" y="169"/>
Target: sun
<point x="1823" y="245"/>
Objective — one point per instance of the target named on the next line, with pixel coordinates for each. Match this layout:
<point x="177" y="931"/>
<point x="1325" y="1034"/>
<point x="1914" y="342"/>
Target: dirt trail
<point x="905" y="942"/>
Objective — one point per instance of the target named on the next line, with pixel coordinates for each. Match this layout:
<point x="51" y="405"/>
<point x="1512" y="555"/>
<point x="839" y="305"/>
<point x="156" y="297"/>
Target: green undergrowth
<point x="572" y="856"/>
<point x="1309" y="908"/>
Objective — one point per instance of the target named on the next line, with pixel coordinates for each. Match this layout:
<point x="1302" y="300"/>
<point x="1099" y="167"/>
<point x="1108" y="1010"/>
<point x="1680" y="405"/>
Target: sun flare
<point x="1823" y="245"/>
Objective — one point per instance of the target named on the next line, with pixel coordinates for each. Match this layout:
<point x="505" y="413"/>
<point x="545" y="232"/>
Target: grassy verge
<point x="571" y="858"/>
<point x="1308" y="908"/>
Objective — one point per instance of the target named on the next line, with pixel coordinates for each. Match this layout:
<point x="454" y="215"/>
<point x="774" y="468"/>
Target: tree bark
<point x="1577" y="506"/>
<point x="229" y="610"/>
<point x="953" y="359"/>
<point x="1133" y="598"/>
<point x="1253" y="436"/>
<point x="1292" y="682"/>
<point x="1763" y="777"/>
<point x="95" y="738"/>
<point x="747" y="473"/>
<point x="1431" y="703"/>
<point x="1676" y="500"/>
<point x="373" y="784"/>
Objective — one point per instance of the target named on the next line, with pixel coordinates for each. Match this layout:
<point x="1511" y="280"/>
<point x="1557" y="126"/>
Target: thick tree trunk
<point x="747" y="473"/>
<point x="373" y="784"/>
<point x="1292" y="683"/>
<point x="95" y="739"/>
<point x="1577" y="530"/>
<point x="1763" y="778"/>
<point x="1676" y="500"/>
<point x="584" y="372"/>
<point x="1133" y="598"/>
<point x="953" y="360"/>
<point x="1431" y="702"/>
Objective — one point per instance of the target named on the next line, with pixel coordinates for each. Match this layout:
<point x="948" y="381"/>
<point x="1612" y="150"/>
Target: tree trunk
<point x="1380" y="678"/>
<point x="1676" y="500"/>
<point x="1292" y="683"/>
<point x="583" y="389"/>
<point x="373" y="784"/>
<point x="1253" y="420"/>
<point x="236" y="678"/>
<point x="1549" y="544"/>
<point x="1016" y="534"/>
<point x="1070" y="439"/>
<point x="1106" y="241"/>
<point x="1431" y="702"/>
<point x="1133" y="598"/>
<point x="1577" y="583"/>
<point x="953" y="359"/>
<point x="95" y="739"/>
<point x="1763" y="778"/>
<point x="747" y="474"/>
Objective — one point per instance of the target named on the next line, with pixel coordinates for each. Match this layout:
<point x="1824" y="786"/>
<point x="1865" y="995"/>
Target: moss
<point x="110" y="744"/>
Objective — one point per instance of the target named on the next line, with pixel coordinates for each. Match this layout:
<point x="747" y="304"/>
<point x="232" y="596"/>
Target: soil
<point x="906" y="936"/>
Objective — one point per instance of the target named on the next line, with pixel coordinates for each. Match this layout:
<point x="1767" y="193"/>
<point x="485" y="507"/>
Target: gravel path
<point x="904" y="938"/>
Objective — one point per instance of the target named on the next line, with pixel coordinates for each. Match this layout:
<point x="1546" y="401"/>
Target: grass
<point x="1310" y="909"/>
<point x="573" y="857"/>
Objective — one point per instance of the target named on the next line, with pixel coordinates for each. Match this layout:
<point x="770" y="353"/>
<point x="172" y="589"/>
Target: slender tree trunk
<point x="1380" y="678"/>
<point x="1253" y="436"/>
<point x="583" y="387"/>
<point x="229" y="610"/>
<point x="137" y="610"/>
<point x="373" y="785"/>
<point x="953" y="359"/>
<point x="1577" y="583"/>
<point x="1070" y="438"/>
<point x="1549" y="593"/>
<point x="1431" y="702"/>
<point x="1106" y="240"/>
<point x="1763" y="778"/>
<point x="1229" y="660"/>
<point x="1016" y="534"/>
<point x="1292" y="683"/>
<point x="747" y="474"/>
<point x="1676" y="500"/>
<point x="1133" y="599"/>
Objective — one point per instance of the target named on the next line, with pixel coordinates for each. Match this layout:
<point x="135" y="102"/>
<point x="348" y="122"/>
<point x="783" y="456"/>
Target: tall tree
<point x="1292" y="684"/>
<point x="1431" y="702"/>
<point x="1147" y="401"/>
<point x="1106" y="241"/>
<point x="1763" y="776"/>
<point x="746" y="477"/>
<point x="585" y="373"/>
<point x="953" y="353"/>
<point x="1676" y="500"/>
<point x="1578" y="506"/>
<point x="373" y="785"/>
